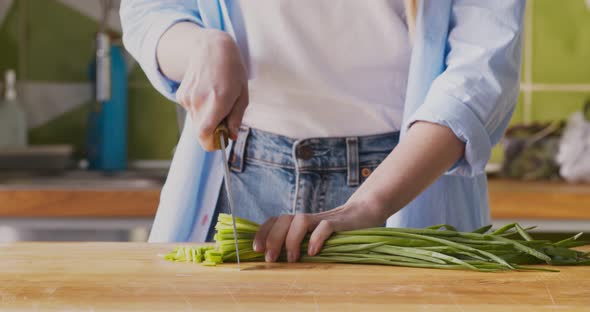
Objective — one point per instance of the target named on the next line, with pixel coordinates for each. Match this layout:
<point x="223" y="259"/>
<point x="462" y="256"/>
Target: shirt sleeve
<point x="477" y="92"/>
<point x="143" y="23"/>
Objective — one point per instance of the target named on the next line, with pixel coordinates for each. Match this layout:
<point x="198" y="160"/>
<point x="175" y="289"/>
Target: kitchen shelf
<point x="539" y="200"/>
<point x="554" y="206"/>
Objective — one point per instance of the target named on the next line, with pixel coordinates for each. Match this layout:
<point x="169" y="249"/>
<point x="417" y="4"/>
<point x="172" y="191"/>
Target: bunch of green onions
<point x="439" y="246"/>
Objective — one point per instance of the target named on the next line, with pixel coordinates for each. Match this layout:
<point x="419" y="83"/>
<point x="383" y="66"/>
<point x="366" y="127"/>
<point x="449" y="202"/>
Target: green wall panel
<point x="9" y="40"/>
<point x="60" y="42"/>
<point x="561" y="41"/>
<point x="152" y="129"/>
<point x="496" y="156"/>
<point x="137" y="76"/>
<point x="69" y="128"/>
<point x="153" y="132"/>
<point x="517" y="117"/>
<point x="557" y="105"/>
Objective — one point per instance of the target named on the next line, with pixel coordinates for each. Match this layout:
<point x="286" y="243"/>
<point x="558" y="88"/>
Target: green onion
<point x="436" y="247"/>
<point x="522" y="232"/>
<point x="483" y="229"/>
<point x="567" y="240"/>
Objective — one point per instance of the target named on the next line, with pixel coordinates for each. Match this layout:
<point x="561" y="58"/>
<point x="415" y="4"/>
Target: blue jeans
<point x="273" y="174"/>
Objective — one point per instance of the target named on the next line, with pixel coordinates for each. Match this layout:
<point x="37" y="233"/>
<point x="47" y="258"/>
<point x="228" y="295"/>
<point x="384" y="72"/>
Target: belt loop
<point x="296" y="200"/>
<point x="352" y="160"/>
<point x="239" y="150"/>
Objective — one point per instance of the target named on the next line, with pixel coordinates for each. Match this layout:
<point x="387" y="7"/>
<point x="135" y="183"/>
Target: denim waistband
<point x="312" y="154"/>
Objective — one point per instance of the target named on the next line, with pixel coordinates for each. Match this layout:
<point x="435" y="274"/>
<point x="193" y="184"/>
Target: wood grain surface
<point x="125" y="276"/>
<point x="539" y="200"/>
<point x="508" y="200"/>
<point x="73" y="203"/>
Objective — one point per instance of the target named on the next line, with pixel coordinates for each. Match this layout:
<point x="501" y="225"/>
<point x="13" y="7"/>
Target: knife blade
<point x="221" y="142"/>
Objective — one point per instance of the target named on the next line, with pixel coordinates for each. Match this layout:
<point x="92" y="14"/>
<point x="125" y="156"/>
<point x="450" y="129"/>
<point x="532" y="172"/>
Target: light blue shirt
<point x="464" y="74"/>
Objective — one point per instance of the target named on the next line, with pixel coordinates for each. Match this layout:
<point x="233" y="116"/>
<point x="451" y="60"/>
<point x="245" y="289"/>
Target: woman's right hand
<point x="214" y="85"/>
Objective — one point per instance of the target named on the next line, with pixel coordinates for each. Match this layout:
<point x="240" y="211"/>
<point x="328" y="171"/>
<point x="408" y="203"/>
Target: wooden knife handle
<point x="221" y="129"/>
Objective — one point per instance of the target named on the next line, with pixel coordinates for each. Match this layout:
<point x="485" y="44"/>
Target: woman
<point x="339" y="120"/>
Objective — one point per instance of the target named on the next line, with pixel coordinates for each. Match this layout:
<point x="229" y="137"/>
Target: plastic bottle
<point x="13" y="124"/>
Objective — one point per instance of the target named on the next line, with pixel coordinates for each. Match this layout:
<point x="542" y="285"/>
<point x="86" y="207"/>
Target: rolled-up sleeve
<point x="477" y="92"/>
<point x="144" y="22"/>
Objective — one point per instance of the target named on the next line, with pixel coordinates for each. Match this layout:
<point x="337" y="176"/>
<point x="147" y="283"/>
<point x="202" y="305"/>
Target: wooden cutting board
<point x="126" y="276"/>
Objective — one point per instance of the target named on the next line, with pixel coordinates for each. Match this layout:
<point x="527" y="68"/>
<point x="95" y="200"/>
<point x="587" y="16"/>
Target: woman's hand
<point x="214" y="85"/>
<point x="291" y="229"/>
<point x="427" y="151"/>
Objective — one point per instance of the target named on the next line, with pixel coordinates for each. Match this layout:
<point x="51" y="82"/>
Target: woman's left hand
<point x="290" y="230"/>
<point x="427" y="151"/>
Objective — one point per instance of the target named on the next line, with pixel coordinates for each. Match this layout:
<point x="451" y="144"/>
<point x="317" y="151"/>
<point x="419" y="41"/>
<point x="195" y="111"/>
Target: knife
<point x="221" y="142"/>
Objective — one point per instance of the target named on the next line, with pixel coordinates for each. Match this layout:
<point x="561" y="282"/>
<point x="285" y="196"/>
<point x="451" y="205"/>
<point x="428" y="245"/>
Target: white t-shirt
<point x="324" y="68"/>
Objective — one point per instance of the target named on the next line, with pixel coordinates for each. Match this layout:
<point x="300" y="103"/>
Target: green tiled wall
<point x="69" y="128"/>
<point x="9" y="31"/>
<point x="517" y="117"/>
<point x="561" y="41"/>
<point x="556" y="105"/>
<point x="58" y="51"/>
<point x="60" y="43"/>
<point x="560" y="51"/>
<point x="59" y="48"/>
<point x="152" y="126"/>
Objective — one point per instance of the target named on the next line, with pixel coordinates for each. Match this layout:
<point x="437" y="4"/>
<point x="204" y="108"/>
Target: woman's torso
<point x="326" y="68"/>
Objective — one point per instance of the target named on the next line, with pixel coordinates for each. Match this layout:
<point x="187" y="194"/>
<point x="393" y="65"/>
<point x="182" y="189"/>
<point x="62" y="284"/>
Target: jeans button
<point x="304" y="152"/>
<point x="365" y="172"/>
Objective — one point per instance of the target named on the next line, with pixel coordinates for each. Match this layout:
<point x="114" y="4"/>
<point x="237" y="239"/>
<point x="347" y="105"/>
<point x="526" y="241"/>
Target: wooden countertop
<point x="508" y="200"/>
<point x="539" y="200"/>
<point x="79" y="203"/>
<point x="125" y="276"/>
<point x="81" y="194"/>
